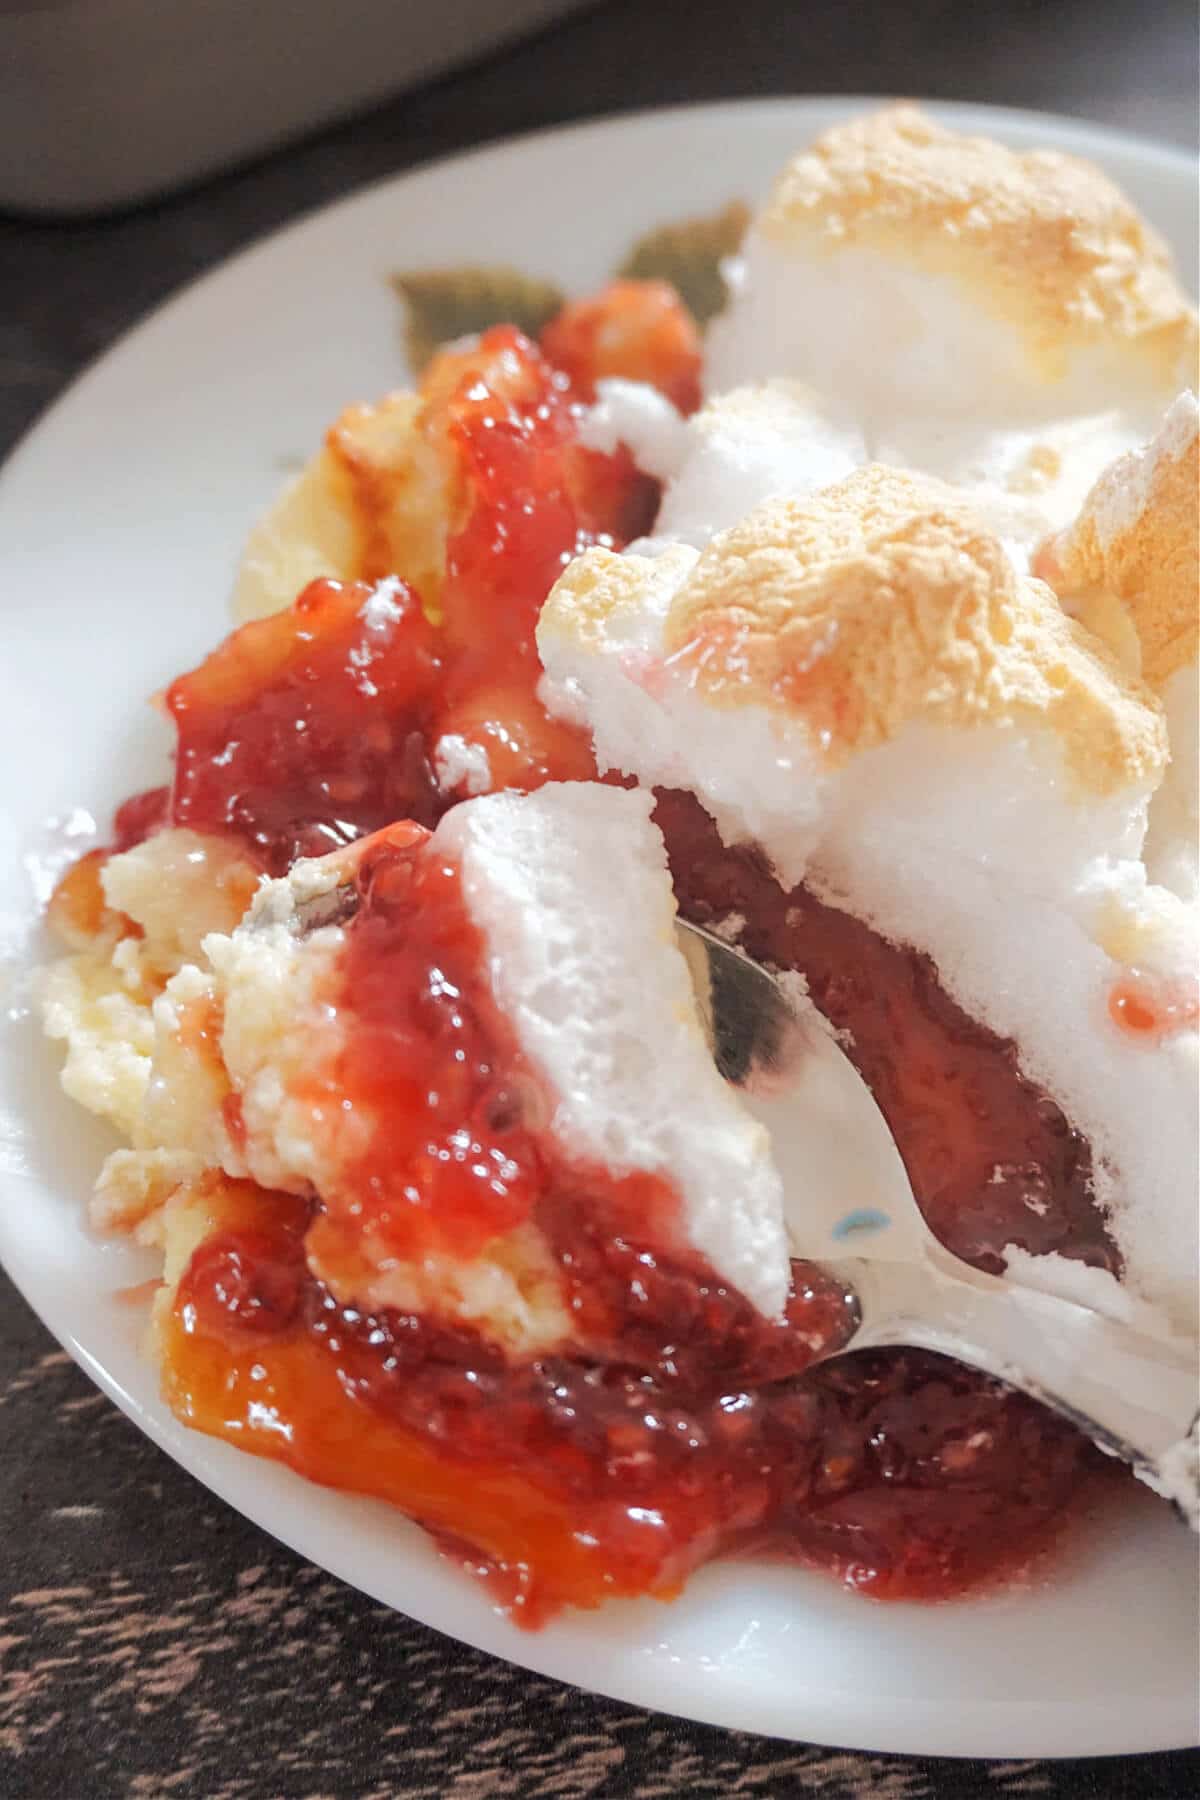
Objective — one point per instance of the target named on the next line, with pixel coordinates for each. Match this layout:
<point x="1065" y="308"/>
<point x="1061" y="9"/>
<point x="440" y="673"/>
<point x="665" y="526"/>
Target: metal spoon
<point x="1136" y="1395"/>
<point x="850" y="1206"/>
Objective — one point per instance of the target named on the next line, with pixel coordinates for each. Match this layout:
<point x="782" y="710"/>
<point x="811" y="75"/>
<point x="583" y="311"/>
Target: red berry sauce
<point x="991" y="1158"/>
<point x="533" y="497"/>
<point x="313" y="727"/>
<point x="303" y="730"/>
<point x="427" y="1083"/>
<point x="673" y="1424"/>
<point x="637" y="330"/>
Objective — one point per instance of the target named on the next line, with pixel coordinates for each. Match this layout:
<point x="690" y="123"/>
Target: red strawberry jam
<point x="674" y="1424"/>
<point x="428" y="1075"/>
<point x="575" y="1477"/>
<point x="637" y="330"/>
<point x="303" y="730"/>
<point x="315" y="726"/>
<point x="533" y="497"/>
<point x="991" y="1159"/>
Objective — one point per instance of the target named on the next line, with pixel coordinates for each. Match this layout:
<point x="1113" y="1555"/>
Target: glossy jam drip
<point x="303" y="730"/>
<point x="1151" y="1009"/>
<point x="529" y="494"/>
<point x="318" y="724"/>
<point x="532" y="498"/>
<point x="428" y="1081"/>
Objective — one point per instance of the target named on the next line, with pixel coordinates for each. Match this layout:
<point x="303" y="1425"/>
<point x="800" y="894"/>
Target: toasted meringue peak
<point x="1133" y="554"/>
<point x="879" y="602"/>
<point x="1043" y="240"/>
<point x="863" y="686"/>
<point x="595" y="589"/>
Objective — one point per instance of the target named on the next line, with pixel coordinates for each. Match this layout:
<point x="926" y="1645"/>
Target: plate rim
<point x="1173" y="157"/>
<point x="191" y="1451"/>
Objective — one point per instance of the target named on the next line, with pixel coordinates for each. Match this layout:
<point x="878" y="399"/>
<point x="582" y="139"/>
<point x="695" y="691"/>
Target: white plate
<point x="120" y="519"/>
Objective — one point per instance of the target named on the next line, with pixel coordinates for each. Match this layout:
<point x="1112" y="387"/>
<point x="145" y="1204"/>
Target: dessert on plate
<point x="862" y="630"/>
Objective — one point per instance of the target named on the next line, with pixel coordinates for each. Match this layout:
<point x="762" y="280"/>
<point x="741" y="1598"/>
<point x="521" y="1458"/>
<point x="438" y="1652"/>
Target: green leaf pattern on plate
<point x="689" y="255"/>
<point x="444" y="304"/>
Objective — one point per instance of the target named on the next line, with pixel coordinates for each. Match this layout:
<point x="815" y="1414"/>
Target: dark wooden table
<point x="151" y="1642"/>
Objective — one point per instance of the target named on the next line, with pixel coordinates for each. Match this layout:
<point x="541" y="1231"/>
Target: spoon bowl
<point x="849" y="1204"/>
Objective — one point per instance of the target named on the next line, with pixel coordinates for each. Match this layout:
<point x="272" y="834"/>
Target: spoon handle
<point x="1137" y="1396"/>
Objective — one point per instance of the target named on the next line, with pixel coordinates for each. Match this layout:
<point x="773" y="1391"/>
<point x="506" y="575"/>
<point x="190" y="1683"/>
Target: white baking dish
<point x="103" y="102"/>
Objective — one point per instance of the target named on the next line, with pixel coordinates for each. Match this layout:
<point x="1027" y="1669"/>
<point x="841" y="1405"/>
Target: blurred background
<point x="140" y="142"/>
<point x="105" y="101"/>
